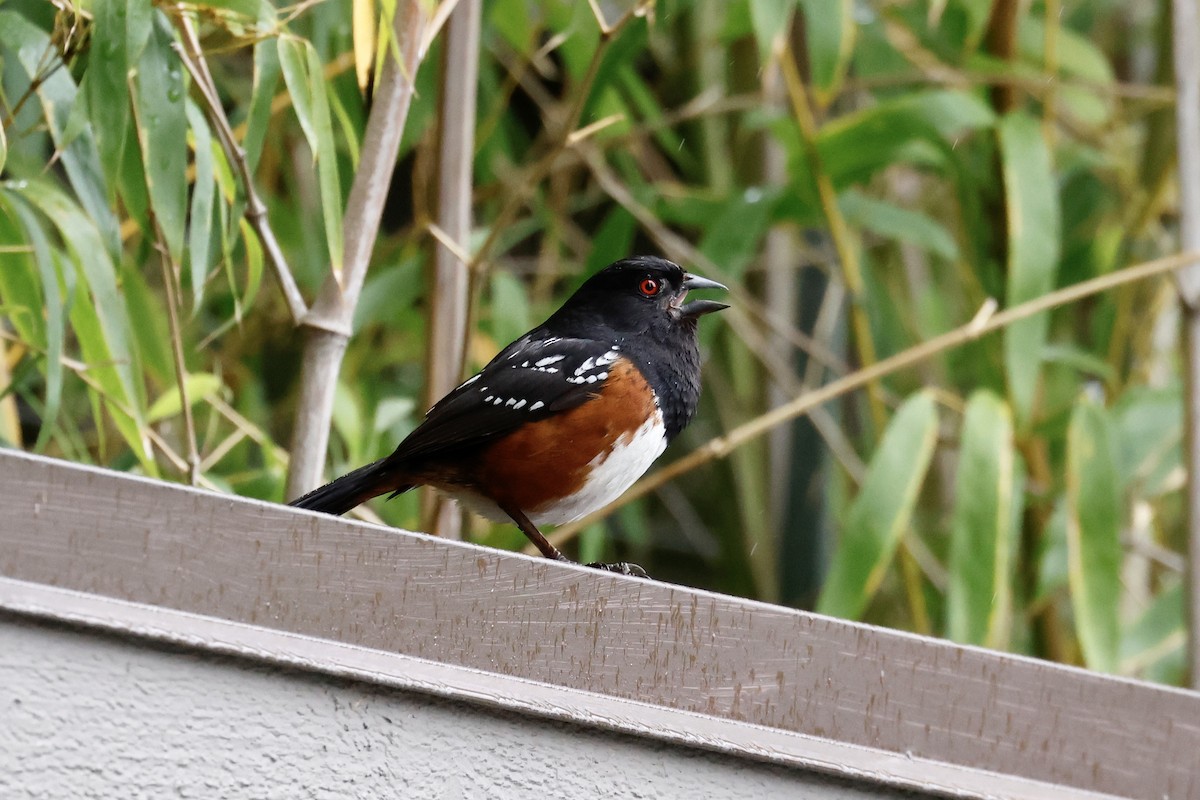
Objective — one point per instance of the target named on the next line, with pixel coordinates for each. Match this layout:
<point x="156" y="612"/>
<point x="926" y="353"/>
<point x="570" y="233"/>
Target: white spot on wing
<point x="536" y="405"/>
<point x="548" y="360"/>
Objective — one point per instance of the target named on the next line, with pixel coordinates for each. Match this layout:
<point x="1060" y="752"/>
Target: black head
<point x="635" y="295"/>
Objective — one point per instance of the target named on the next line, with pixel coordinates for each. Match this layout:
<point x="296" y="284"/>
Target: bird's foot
<point x="621" y="568"/>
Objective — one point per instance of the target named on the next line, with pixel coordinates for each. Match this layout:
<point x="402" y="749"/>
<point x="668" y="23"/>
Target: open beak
<point x="698" y="308"/>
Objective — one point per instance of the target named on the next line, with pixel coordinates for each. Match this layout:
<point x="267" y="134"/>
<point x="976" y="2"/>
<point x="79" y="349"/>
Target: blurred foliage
<point x="1022" y="491"/>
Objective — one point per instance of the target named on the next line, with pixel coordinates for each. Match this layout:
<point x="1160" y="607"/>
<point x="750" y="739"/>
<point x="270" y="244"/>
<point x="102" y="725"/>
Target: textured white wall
<point x="86" y="715"/>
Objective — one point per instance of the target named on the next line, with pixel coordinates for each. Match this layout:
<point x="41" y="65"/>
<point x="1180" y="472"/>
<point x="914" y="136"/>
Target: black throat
<point x="671" y="365"/>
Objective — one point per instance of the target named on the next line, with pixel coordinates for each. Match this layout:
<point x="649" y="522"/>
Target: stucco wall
<point x="86" y="715"/>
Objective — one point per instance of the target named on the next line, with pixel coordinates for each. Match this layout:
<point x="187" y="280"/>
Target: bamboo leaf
<point x="894" y="222"/>
<point x="733" y="233"/>
<point x="302" y="73"/>
<point x="1158" y="634"/>
<point x="363" y="28"/>
<point x="169" y="404"/>
<point x="19" y="290"/>
<point x="771" y="20"/>
<point x="203" y="199"/>
<point x="266" y="78"/>
<point x="1031" y="203"/>
<point x="102" y="328"/>
<point x="49" y="300"/>
<point x="1094" y="514"/>
<point x="152" y="331"/>
<point x="162" y="131"/>
<point x="254" y="265"/>
<point x="913" y="128"/>
<point x="58" y="95"/>
<point x="830" y="33"/>
<point x="109" y="392"/>
<point x="107" y="90"/>
<point x="978" y="597"/>
<point x="1150" y="431"/>
<point x="349" y="423"/>
<point x="880" y="513"/>
<point x="249" y="15"/>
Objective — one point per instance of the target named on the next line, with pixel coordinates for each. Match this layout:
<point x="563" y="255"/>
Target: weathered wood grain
<point x="295" y="572"/>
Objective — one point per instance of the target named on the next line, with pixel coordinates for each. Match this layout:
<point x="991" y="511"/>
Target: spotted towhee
<point x="565" y="418"/>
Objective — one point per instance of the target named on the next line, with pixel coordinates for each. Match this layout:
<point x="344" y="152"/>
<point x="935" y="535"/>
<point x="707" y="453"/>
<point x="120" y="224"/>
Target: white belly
<point x="611" y="474"/>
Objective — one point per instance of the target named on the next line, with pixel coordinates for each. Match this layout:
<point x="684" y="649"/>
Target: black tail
<point x="350" y="490"/>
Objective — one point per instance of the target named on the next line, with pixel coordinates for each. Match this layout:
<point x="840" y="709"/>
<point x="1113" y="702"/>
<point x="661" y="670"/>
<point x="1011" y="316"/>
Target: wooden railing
<point x="271" y="583"/>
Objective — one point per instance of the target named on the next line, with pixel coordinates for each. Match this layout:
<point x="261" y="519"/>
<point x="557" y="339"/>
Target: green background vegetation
<point x="865" y="176"/>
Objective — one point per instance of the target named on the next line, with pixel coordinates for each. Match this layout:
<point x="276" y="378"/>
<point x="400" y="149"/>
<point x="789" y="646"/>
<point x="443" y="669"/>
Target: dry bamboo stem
<point x="327" y="323"/>
<point x="1186" y="19"/>
<point x="450" y="282"/>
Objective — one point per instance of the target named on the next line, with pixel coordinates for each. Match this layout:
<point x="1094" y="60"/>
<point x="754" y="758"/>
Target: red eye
<point x="649" y="287"/>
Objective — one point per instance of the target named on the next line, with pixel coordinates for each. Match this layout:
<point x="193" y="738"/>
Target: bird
<point x="563" y="420"/>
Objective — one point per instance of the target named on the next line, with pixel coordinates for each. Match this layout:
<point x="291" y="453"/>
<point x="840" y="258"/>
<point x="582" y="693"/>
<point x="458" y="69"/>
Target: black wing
<point x="531" y="379"/>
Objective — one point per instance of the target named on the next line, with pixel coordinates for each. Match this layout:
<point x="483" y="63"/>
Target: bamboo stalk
<point x="839" y="232"/>
<point x="1186" y="19"/>
<point x="327" y="324"/>
<point x="450" y="279"/>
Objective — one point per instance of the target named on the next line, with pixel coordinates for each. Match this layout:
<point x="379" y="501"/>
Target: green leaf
<point x="613" y="240"/>
<point x="254" y="265"/>
<point x="1077" y="55"/>
<point x="250" y="16"/>
<point x="830" y="33"/>
<point x="880" y="513"/>
<point x="3" y="148"/>
<point x="390" y="293"/>
<point x="1150" y="431"/>
<point x="162" y="131"/>
<point x="732" y="236"/>
<point x="348" y="421"/>
<point x="102" y="326"/>
<point x="302" y="72"/>
<point x="107" y="90"/>
<point x="20" y="239"/>
<point x="258" y="119"/>
<point x="894" y="222"/>
<point x="109" y="390"/>
<point x="771" y="20"/>
<point x="1031" y="203"/>
<point x="58" y="95"/>
<point x="913" y="127"/>
<point x="978" y="598"/>
<point x="152" y="332"/>
<point x="510" y="307"/>
<point x="1157" y="634"/>
<point x="203" y="199"/>
<point x="50" y="299"/>
<point x="1052" y="558"/>
<point x="199" y="385"/>
<point x="1094" y="516"/>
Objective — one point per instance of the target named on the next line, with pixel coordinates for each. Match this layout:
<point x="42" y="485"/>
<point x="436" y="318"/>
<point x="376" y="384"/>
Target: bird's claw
<point x="621" y="568"/>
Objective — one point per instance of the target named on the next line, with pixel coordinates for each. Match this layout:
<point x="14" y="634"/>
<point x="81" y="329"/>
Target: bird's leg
<point x="550" y="551"/>
<point x="535" y="536"/>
